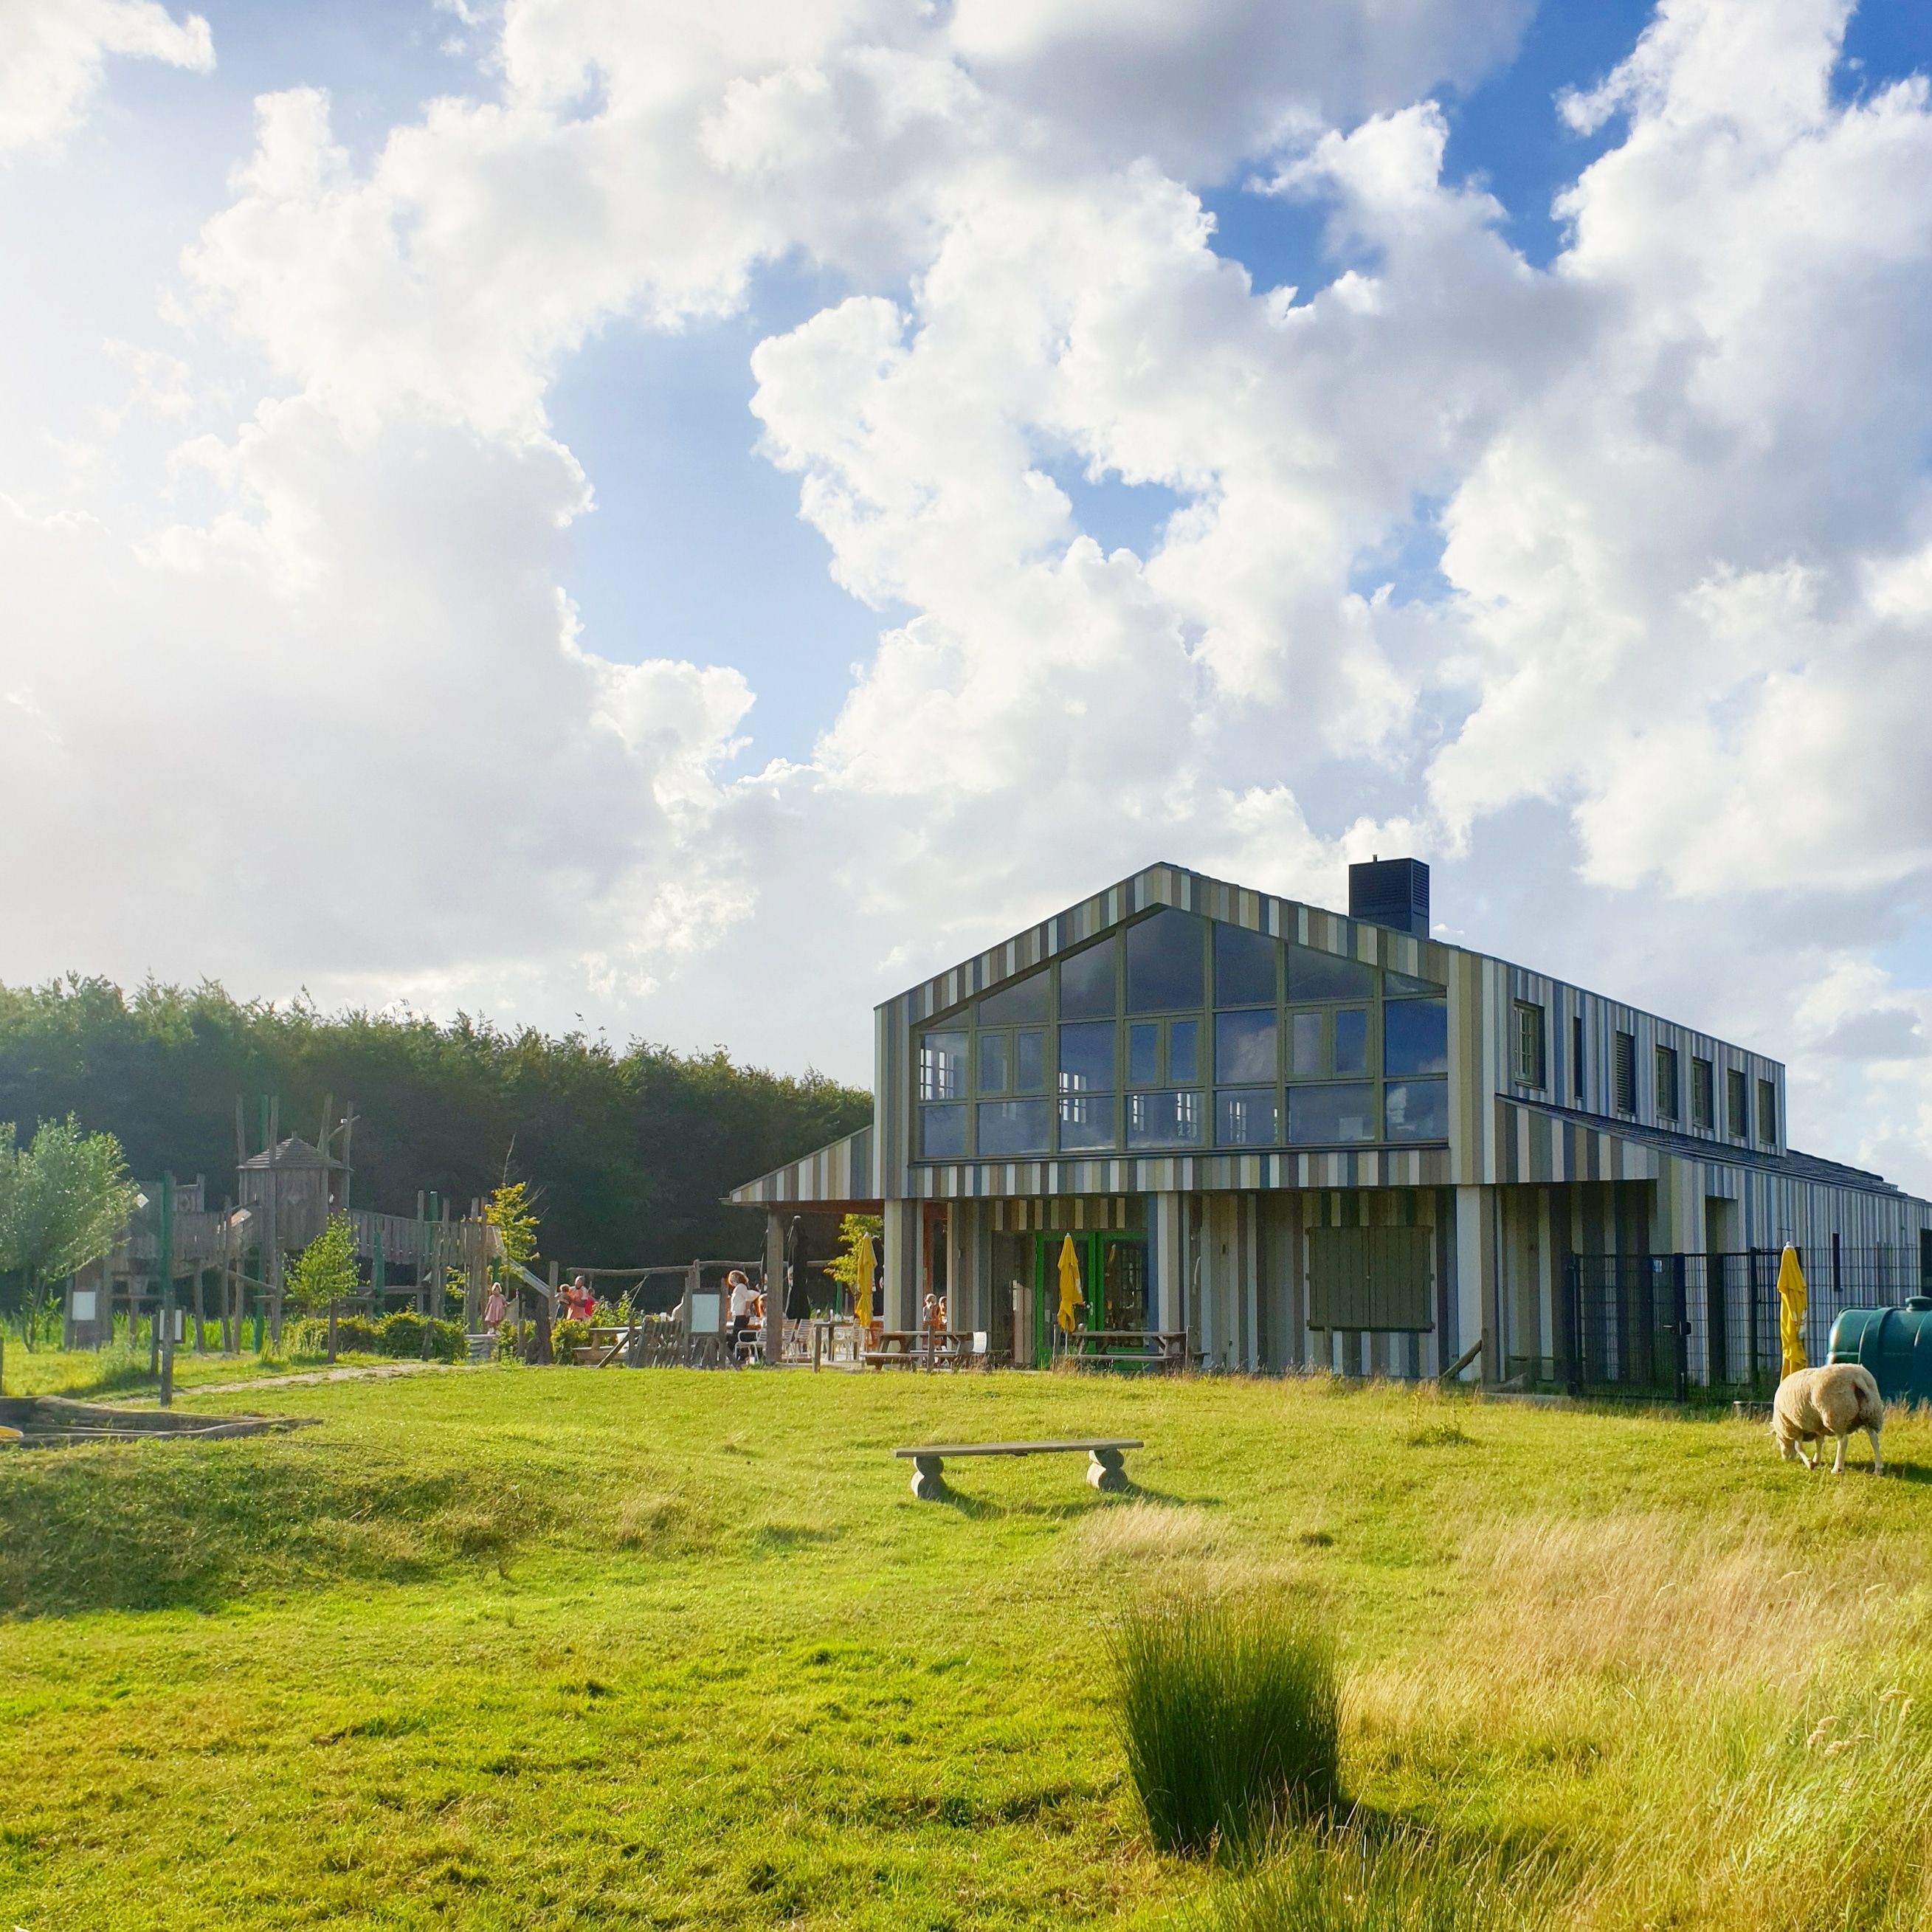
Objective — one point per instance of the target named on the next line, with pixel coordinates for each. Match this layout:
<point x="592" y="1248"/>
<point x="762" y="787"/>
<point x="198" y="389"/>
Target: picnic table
<point x="1103" y="1459"/>
<point x="1154" y="1349"/>
<point x="925" y="1348"/>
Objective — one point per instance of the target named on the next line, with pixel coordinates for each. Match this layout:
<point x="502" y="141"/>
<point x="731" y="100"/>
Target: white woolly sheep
<point x="1814" y="1403"/>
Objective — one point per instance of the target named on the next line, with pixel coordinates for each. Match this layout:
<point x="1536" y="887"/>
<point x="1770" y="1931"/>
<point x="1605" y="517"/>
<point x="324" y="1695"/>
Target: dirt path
<point x="307" y="1375"/>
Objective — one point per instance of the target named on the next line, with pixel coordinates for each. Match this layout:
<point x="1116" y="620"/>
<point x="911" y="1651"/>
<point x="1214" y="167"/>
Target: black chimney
<point x="1392" y="892"/>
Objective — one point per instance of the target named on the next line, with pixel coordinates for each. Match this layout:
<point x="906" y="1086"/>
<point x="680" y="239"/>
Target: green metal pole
<point x="166" y="1255"/>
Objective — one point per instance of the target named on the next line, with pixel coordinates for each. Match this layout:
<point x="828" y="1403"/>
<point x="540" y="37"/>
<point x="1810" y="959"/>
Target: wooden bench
<point x="1103" y="1459"/>
<point x="924" y="1349"/>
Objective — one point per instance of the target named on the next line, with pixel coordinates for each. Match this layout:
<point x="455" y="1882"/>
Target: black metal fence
<point x="1671" y="1324"/>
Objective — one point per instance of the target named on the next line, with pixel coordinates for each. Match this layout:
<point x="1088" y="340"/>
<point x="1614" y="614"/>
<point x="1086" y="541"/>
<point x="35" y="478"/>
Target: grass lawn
<point x="113" y="1375"/>
<point x="520" y="1647"/>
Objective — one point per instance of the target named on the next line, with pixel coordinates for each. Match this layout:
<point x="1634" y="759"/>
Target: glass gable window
<point x="996" y="1062"/>
<point x="1030" y="1060"/>
<point x="1313" y="975"/>
<point x="1086" y="1123"/>
<point x="1246" y="1118"/>
<point x="1415" y="1036"/>
<point x="1165" y="1120"/>
<point x="1307" y="1045"/>
<point x="1341" y="1112"/>
<point x="1401" y="985"/>
<point x="1164" y="962"/>
<point x="1022" y="1003"/>
<point x="1008" y="1127"/>
<point x="1087" y="982"/>
<point x="942" y="1133"/>
<point x="1244" y="1049"/>
<point x="1183" y="1050"/>
<point x="1086" y="1057"/>
<point x="942" y="1066"/>
<point x="1144" y="1054"/>
<point x="1416" y="1110"/>
<point x="1244" y="966"/>
<point x="1351" y="1040"/>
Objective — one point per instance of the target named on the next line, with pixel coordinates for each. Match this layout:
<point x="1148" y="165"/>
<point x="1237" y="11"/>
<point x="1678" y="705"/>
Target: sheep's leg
<point x="1805" y="1454"/>
<point x="1878" y="1460"/>
<point x="1838" y="1461"/>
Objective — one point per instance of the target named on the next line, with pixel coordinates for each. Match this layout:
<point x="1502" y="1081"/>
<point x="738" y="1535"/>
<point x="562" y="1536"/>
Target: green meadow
<point x="511" y="1648"/>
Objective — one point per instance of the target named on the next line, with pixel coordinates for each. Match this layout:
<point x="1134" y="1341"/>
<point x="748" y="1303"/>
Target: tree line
<point x="626" y="1152"/>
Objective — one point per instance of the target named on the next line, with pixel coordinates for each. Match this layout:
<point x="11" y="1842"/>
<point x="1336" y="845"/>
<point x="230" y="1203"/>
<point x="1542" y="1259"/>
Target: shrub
<point x="1228" y="1710"/>
<point x="400" y="1336"/>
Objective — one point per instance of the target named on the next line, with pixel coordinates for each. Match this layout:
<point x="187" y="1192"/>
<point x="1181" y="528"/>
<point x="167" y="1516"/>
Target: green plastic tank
<point x="1894" y="1343"/>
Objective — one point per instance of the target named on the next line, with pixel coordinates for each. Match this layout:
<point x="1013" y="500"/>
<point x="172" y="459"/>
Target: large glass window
<point x="1246" y="1118"/>
<point x="1087" y="982"/>
<point x="1416" y="1110"/>
<point x="1164" y="962"/>
<point x="1183" y="1050"/>
<point x="1087" y="1056"/>
<point x="1021" y="1002"/>
<point x="1244" y="966"/>
<point x="1415" y="1036"/>
<point x="996" y="1062"/>
<point x="1144" y="1054"/>
<point x="1321" y="1114"/>
<point x="1351" y="1040"/>
<point x="1166" y="1120"/>
<point x="1307" y="1045"/>
<point x="942" y="1066"/>
<point x="1030" y="1060"/>
<point x="1244" y="1049"/>
<point x="1313" y="975"/>
<point x="1401" y="985"/>
<point x="1086" y="1122"/>
<point x="1008" y="1127"/>
<point x="942" y="1133"/>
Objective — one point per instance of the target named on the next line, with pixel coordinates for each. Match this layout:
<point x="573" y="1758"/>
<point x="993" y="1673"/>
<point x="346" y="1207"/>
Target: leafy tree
<point x="64" y="1199"/>
<point x="633" y="1145"/>
<point x="844" y="1266"/>
<point x="510" y="1210"/>
<point x="325" y="1270"/>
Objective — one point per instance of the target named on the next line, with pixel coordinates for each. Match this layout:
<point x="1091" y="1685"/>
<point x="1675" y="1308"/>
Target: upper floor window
<point x="1245" y="967"/>
<point x="1086" y="987"/>
<point x="1314" y="975"/>
<point x="1019" y="1003"/>
<point x="1667" y="1083"/>
<point x="1703" y="1096"/>
<point x="1415" y="1036"/>
<point x="942" y="1066"/>
<point x="1528" y="1043"/>
<point x="1767" y="1112"/>
<point x="1623" y="1071"/>
<point x="1577" y="1086"/>
<point x="1165" y="962"/>
<point x="1735" y="1123"/>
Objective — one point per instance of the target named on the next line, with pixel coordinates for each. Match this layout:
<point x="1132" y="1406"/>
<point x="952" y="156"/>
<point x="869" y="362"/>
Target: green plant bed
<point x="661" y="1647"/>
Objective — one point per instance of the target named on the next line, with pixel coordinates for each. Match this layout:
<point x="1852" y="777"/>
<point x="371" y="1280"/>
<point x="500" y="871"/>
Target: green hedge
<point x="399" y="1335"/>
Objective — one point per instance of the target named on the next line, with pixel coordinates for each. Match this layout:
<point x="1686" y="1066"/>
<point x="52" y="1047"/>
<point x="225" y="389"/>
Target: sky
<point x="683" y="521"/>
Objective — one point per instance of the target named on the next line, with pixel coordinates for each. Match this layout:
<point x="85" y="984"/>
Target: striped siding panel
<point x="845" y="1170"/>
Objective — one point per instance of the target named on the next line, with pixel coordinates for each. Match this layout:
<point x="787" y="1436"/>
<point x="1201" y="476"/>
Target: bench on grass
<point x="1103" y="1459"/>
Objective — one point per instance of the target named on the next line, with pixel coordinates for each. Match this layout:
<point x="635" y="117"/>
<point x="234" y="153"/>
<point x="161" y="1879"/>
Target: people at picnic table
<point x="934" y="1315"/>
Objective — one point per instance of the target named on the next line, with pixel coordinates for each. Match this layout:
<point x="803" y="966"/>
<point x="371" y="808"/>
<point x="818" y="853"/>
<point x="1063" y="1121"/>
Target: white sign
<point x="81" y="1304"/>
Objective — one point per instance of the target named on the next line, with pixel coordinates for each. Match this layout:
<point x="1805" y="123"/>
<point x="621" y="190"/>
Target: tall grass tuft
<point x="1229" y="1712"/>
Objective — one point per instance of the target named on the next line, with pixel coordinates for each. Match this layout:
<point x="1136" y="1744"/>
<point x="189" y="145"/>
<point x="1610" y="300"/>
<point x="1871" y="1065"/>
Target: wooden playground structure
<point x="227" y="1266"/>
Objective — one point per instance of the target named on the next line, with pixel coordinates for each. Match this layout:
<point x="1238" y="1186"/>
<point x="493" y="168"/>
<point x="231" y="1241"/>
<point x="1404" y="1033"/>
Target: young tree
<point x="64" y="1199"/>
<point x="510" y="1211"/>
<point x="325" y="1270"/>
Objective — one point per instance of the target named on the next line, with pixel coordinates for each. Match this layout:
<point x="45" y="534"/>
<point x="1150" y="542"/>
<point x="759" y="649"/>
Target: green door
<point x="1113" y="1284"/>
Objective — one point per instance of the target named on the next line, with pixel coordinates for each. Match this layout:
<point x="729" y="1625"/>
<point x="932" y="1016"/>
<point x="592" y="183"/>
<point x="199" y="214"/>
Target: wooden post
<point x="200" y="1313"/>
<point x="274" y="1204"/>
<point x="164" y="1253"/>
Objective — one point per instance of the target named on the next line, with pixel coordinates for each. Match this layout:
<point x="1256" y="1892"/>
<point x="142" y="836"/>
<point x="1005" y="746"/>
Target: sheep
<point x="1813" y="1403"/>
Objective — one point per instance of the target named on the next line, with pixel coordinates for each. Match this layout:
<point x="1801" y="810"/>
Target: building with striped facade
<point x="1303" y="1138"/>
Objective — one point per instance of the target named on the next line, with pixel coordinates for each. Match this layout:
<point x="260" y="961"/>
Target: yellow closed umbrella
<point x="1792" y="1299"/>
<point x="862" y="1281"/>
<point x="1070" y="1297"/>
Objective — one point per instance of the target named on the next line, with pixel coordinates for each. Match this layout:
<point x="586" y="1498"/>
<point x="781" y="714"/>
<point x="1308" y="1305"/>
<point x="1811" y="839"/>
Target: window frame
<point x="1529" y="1044"/>
<point x="1703" y="1095"/>
<point x="1668" y="1086"/>
<point x="1624" y="1095"/>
